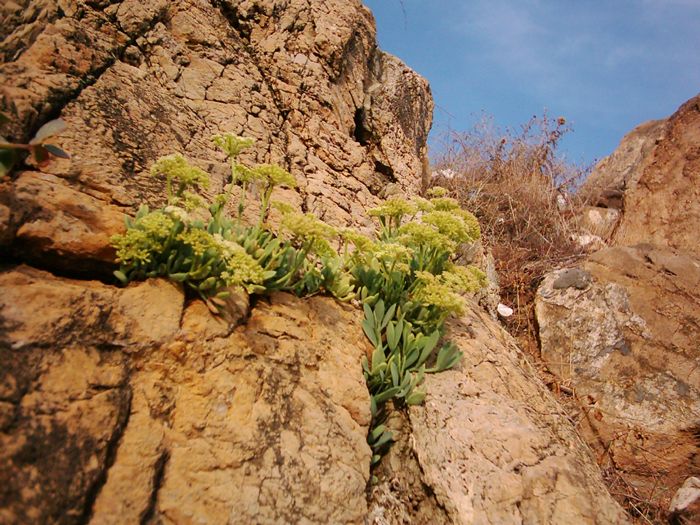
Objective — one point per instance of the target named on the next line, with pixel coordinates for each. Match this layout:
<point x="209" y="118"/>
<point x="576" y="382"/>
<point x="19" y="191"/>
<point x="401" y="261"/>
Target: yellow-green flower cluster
<point x="471" y="223"/>
<point x="176" y="167"/>
<point x="232" y="144"/>
<point x="361" y="242"/>
<point x="445" y="203"/>
<point x="147" y="236"/>
<point x="198" y="240"/>
<point x="432" y="291"/>
<point x="394" y="256"/>
<point x="422" y="204"/>
<point x="191" y="201"/>
<point x="450" y="224"/>
<point x="242" y="269"/>
<point x="437" y="191"/>
<point x="463" y="279"/>
<point x="394" y="208"/>
<point x="269" y="174"/>
<point x="420" y="234"/>
<point x="177" y="213"/>
<point x="308" y="230"/>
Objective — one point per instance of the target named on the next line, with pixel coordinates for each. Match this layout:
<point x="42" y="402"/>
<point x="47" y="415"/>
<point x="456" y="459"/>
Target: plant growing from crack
<point x="404" y="276"/>
<point x="409" y="285"/>
<point x="199" y="245"/>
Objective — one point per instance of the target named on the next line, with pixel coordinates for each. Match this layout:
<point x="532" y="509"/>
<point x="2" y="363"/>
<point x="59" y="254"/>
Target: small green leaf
<point x="394" y="374"/>
<point x="378" y="358"/>
<point x="368" y="328"/>
<point x="392" y="338"/>
<point x="383" y="440"/>
<point x="121" y="276"/>
<point x="415" y="398"/>
<point x="207" y="284"/>
<point x="386" y="395"/>
<point x="379" y="313"/>
<point x="56" y="151"/>
<point x="388" y="316"/>
<point x="372" y="406"/>
<point x="369" y="315"/>
<point x="376" y="433"/>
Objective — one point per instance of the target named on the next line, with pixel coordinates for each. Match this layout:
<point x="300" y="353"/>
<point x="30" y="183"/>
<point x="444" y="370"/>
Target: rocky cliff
<point x="136" y="404"/>
<point x="621" y="328"/>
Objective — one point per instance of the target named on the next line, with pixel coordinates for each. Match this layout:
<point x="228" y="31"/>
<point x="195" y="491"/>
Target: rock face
<point x="624" y="337"/>
<point x="654" y="176"/>
<point x="136" y="405"/>
<point x="115" y="412"/>
<point x="490" y="445"/>
<point x="622" y="169"/>
<point x="136" y="80"/>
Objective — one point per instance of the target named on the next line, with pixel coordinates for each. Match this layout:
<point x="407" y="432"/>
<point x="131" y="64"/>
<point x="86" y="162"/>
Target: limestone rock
<point x="135" y="81"/>
<point x="266" y="424"/>
<point x="599" y="221"/>
<point x="626" y="342"/>
<point x="619" y="171"/>
<point x="490" y="445"/>
<point x="654" y="174"/>
<point x="685" y="505"/>
<point x="58" y="225"/>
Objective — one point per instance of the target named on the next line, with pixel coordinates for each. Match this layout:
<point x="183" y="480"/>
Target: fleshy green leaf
<point x="415" y="398"/>
<point x="56" y="151"/>
<point x="378" y="358"/>
<point x="121" y="276"/>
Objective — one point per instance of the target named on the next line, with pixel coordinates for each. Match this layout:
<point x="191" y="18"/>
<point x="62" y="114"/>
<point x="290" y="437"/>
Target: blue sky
<point x="605" y="65"/>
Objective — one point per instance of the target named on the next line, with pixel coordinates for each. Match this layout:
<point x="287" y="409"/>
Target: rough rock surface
<point x="625" y="339"/>
<point x="113" y="411"/>
<point x="490" y="445"/>
<point x="621" y="170"/>
<point x="136" y="406"/>
<point x="655" y="176"/>
<point x="136" y="80"/>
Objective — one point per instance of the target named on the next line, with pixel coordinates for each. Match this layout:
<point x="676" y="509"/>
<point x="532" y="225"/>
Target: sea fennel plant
<point x="409" y="286"/>
<point x="404" y="275"/>
<point x="199" y="244"/>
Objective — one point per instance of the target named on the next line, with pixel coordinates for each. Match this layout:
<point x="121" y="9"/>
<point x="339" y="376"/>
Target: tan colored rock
<point x="264" y="424"/>
<point x="599" y="221"/>
<point x="135" y="81"/>
<point x="620" y="171"/>
<point x="685" y="505"/>
<point x="39" y="309"/>
<point x="624" y="337"/>
<point x="654" y="174"/>
<point x="53" y="223"/>
<point x="490" y="445"/>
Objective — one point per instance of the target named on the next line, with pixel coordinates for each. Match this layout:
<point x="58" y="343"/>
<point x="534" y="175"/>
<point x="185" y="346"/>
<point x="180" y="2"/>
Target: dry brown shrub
<point x="522" y="193"/>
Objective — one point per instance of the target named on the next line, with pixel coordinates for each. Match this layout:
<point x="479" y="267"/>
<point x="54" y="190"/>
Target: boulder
<point x="135" y="81"/>
<point x="654" y="176"/>
<point x="265" y="424"/>
<point x="490" y="445"/>
<point x="623" y="336"/>
<point x="620" y="171"/>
